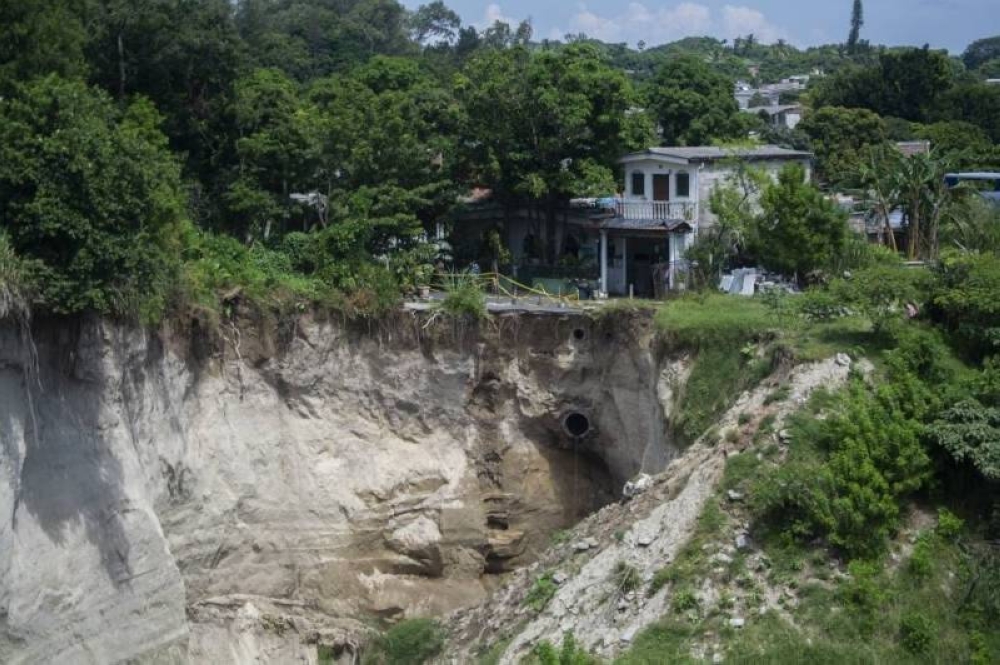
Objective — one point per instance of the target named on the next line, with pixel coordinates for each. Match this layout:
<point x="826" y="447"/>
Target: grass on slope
<point x="734" y="338"/>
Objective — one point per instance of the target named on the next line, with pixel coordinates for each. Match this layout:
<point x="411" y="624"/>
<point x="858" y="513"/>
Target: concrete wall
<point x="649" y="167"/>
<point x="715" y="175"/>
<point x="704" y="179"/>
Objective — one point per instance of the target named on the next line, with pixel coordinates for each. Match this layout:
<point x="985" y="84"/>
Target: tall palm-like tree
<point x="925" y="197"/>
<point x="878" y="177"/>
<point x="916" y="185"/>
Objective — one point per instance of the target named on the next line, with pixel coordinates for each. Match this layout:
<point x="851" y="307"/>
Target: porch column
<point x="604" y="261"/>
<point x="672" y="258"/>
<point x="625" y="262"/>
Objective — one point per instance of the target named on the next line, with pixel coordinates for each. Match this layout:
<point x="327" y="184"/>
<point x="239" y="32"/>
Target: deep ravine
<point x="243" y="492"/>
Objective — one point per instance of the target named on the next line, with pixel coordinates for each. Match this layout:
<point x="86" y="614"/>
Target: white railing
<point x="656" y="210"/>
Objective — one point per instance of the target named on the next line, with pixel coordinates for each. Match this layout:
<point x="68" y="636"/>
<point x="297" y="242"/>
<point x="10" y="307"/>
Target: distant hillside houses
<point x="787" y="116"/>
<point x="748" y="96"/>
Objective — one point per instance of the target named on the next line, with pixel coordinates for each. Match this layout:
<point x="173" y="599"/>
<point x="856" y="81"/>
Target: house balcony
<point x="665" y="210"/>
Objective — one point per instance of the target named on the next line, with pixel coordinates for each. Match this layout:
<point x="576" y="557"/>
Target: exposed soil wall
<point x="222" y="493"/>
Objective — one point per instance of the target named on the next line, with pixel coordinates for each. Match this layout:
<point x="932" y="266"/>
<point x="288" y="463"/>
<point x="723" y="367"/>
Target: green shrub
<point x="325" y="655"/>
<point x="868" y="457"/>
<point x="881" y="292"/>
<point x="16" y="290"/>
<point x="949" y="526"/>
<point x="569" y="653"/>
<point x="411" y="642"/>
<point x="540" y="593"/>
<point x="821" y="304"/>
<point x="661" y="578"/>
<point x="626" y="577"/>
<point x="964" y="301"/>
<point x="980" y="649"/>
<point x="916" y="632"/>
<point x="921" y="563"/>
<point x="778" y="395"/>
<point x="683" y="601"/>
<point x="865" y="593"/>
<point x="464" y="298"/>
<point x="561" y="537"/>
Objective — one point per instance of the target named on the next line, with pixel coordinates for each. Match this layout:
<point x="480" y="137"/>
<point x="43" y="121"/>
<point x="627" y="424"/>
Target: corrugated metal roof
<point x="714" y="153"/>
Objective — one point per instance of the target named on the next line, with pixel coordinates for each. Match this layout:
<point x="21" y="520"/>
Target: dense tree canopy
<point x="981" y="51"/>
<point x="549" y="124"/>
<point x="693" y="103"/>
<point x="328" y="130"/>
<point x="839" y="137"/>
<point x="906" y="83"/>
<point x="91" y="196"/>
<point x="798" y="230"/>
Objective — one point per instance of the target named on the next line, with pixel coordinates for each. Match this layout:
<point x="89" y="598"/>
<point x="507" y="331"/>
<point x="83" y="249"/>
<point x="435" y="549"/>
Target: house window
<point x="638" y="183"/>
<point x="683" y="184"/>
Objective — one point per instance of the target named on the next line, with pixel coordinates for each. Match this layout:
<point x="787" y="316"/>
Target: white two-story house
<point x="635" y="240"/>
<point x="665" y="203"/>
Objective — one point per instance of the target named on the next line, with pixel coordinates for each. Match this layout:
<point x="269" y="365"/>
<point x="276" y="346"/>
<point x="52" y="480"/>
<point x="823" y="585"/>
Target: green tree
<point x="734" y="205"/>
<point x="274" y="152"/>
<point x="882" y="189"/>
<point x="925" y="199"/>
<point x="990" y="69"/>
<point x="970" y="433"/>
<point x="90" y="195"/>
<point x="386" y="148"/>
<point x="185" y="56"/>
<point x="434" y="20"/>
<point x="975" y="103"/>
<point x="905" y="83"/>
<point x="693" y="103"/>
<point x="857" y="21"/>
<point x="981" y="51"/>
<point x="799" y="231"/>
<point x="964" y="302"/>
<point x="309" y="40"/>
<point x="544" y="126"/>
<point x="841" y="138"/>
<point x="957" y="140"/>
<point x="39" y="37"/>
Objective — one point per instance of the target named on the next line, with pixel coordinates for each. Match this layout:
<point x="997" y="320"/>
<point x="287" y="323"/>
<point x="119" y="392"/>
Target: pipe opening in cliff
<point x="579" y="334"/>
<point x="576" y="424"/>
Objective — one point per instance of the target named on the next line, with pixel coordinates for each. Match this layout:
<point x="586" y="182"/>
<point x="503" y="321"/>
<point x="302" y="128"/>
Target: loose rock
<point x="638" y="485"/>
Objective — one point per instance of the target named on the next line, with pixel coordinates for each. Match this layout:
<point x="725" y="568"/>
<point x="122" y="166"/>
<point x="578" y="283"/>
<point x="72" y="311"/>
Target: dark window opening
<point x="638" y="184"/>
<point x="683" y="184"/>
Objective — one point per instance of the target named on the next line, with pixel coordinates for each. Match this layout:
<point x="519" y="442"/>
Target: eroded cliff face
<point x="242" y="493"/>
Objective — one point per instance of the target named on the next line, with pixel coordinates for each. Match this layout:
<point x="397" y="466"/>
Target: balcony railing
<point x="656" y="210"/>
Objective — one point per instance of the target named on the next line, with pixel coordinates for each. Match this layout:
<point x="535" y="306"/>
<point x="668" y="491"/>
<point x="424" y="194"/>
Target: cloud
<point x="493" y="14"/>
<point x="741" y="21"/>
<point x="638" y="22"/>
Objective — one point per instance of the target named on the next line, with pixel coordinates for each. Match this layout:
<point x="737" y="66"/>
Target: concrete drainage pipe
<point x="576" y="424"/>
